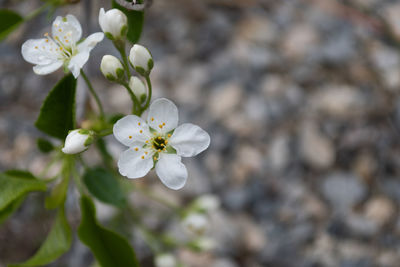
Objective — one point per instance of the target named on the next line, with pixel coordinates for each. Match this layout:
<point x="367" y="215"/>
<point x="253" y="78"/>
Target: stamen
<point x="136" y="149"/>
<point x="152" y="119"/>
<point x="142" y="157"/>
<point x="160" y="126"/>
<point x="36" y="47"/>
<point x="130" y="137"/>
<point x="141" y="131"/>
<point x="163" y="123"/>
<point x="155" y="158"/>
<point x="169" y="135"/>
<point x="139" y="123"/>
<point x="146" y="152"/>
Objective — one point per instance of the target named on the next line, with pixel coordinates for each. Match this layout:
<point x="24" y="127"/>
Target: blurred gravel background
<point x="301" y="99"/>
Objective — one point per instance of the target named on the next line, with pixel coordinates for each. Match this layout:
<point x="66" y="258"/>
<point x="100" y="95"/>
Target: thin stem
<point x="96" y="97"/>
<point x="149" y="93"/>
<point x="105" y="132"/>
<point x="136" y="108"/>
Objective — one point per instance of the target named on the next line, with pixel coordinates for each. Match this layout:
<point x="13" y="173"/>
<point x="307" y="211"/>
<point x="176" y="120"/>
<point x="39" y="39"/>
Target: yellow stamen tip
<point x="136" y="149"/>
<point x="142" y="157"/>
<point x="141" y="131"/>
<point x="152" y="119"/>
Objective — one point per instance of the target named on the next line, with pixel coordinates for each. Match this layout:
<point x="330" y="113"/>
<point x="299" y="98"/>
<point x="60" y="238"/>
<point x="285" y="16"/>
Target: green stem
<point x="136" y="108"/>
<point x="148" y="95"/>
<point x="105" y="132"/>
<point x="96" y="97"/>
<point x="120" y="45"/>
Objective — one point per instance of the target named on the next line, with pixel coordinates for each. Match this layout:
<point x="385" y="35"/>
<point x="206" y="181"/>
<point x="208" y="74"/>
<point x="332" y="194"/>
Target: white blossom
<point x="113" y="23"/>
<point x="165" y="260"/>
<point x="141" y="59"/>
<point x="61" y="48"/>
<point x="77" y="141"/>
<point x="111" y="67"/>
<point x="195" y="223"/>
<point x="159" y="142"/>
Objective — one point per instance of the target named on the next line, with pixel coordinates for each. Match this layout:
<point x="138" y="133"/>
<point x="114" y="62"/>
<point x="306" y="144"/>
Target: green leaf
<point x="9" y="21"/>
<point x="20" y="174"/>
<point x="57" y="113"/>
<point x="14" y="187"/>
<point x="57" y="243"/>
<point x="58" y="194"/>
<point x="109" y="248"/>
<point x="135" y="22"/>
<point x="44" y="145"/>
<point x="10" y="209"/>
<point x="104" y="186"/>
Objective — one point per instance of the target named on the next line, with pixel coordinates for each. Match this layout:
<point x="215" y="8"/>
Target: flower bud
<point x="112" y="68"/>
<point x="113" y="23"/>
<point x="138" y="88"/>
<point x="141" y="59"/>
<point x="77" y="141"/>
<point x="195" y="223"/>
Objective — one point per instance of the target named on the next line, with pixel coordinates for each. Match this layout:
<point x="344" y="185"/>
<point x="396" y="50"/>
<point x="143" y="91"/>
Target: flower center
<point x="159" y="143"/>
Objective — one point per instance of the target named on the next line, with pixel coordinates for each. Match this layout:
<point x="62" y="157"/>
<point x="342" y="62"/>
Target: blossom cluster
<point x="157" y="142"/>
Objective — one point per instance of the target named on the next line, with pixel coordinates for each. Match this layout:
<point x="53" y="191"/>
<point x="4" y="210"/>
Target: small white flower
<point x="111" y="68"/>
<point x="138" y="88"/>
<point x="77" y="141"/>
<point x="160" y="142"/>
<point x="113" y="23"/>
<point x="165" y="260"/>
<point x="141" y="59"/>
<point x="195" y="223"/>
<point x="207" y="203"/>
<point x="50" y="53"/>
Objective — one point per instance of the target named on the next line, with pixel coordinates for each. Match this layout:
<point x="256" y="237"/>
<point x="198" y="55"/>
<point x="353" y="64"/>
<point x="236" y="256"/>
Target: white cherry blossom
<point x="159" y="142"/>
<point x="62" y="48"/>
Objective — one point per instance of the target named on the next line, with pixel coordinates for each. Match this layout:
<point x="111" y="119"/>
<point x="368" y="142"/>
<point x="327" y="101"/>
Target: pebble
<point x="316" y="149"/>
<point x="343" y="191"/>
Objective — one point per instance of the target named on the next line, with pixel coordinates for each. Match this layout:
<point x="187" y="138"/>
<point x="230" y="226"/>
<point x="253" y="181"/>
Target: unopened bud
<point x="113" y="23"/>
<point x="141" y="59"/>
<point x="138" y="88"/>
<point x="111" y="68"/>
<point x="78" y="141"/>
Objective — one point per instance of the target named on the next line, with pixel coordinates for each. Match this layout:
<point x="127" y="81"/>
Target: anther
<point x="130" y="137"/>
<point x="160" y="126"/>
<point x="136" y="149"/>
<point x="139" y="123"/>
<point x="36" y="47"/>
<point x="152" y="119"/>
<point x="142" y="157"/>
<point x="163" y="123"/>
<point x="169" y="135"/>
<point x="141" y="131"/>
<point x="146" y="152"/>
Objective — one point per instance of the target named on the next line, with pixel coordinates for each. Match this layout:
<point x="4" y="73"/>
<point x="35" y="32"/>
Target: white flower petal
<point x="189" y="140"/>
<point x="76" y="63"/>
<point x="131" y="129"/>
<point x="134" y="163"/>
<point x="39" y="51"/>
<point x="90" y="42"/>
<point x="171" y="171"/>
<point x="46" y="69"/>
<point x="67" y="28"/>
<point x="163" y="115"/>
